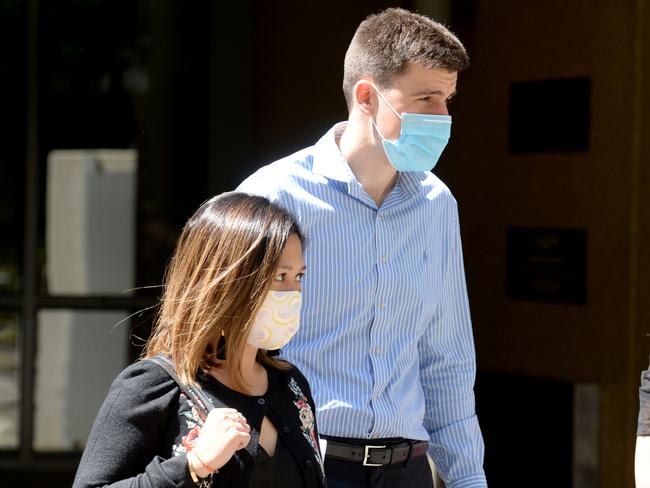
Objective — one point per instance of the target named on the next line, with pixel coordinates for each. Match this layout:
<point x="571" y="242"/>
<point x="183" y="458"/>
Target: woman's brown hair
<point x="216" y="281"/>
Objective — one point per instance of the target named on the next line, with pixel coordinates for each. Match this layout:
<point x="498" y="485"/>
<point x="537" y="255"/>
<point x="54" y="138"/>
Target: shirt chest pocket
<point x="431" y="275"/>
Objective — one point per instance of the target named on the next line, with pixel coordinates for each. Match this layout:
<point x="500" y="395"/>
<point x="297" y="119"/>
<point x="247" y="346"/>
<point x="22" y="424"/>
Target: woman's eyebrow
<point x="290" y="267"/>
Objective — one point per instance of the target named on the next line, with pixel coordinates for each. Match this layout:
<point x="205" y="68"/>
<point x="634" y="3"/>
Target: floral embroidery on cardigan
<point x="307" y="420"/>
<point x="193" y="424"/>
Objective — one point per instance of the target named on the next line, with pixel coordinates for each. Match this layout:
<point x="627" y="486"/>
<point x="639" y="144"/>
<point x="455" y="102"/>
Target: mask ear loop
<point x="374" y="122"/>
<point x="384" y="99"/>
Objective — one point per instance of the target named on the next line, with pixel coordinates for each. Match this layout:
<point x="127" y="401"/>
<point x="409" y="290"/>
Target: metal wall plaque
<point x="550" y="115"/>
<point x="547" y="265"/>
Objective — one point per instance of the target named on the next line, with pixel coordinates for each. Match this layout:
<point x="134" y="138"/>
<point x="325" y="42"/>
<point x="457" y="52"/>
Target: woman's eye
<point x="280" y="277"/>
<point x="300" y="277"/>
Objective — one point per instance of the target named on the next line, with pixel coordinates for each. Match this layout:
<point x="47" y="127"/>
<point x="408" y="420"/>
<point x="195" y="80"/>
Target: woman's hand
<point x="224" y="431"/>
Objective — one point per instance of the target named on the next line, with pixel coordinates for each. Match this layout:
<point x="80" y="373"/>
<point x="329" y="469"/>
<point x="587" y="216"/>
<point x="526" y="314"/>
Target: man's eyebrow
<point x="432" y="92"/>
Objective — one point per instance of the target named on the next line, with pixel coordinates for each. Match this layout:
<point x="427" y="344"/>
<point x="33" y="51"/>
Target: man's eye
<point x="280" y="277"/>
<point x="425" y="99"/>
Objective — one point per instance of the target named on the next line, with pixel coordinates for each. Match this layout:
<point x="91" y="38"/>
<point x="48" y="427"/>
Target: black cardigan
<point x="136" y="438"/>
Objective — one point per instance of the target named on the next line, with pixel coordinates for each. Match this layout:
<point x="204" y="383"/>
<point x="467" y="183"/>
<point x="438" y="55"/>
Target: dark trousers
<point x="416" y="473"/>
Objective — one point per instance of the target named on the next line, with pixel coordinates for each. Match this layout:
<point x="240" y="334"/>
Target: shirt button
<point x="261" y="401"/>
<point x="382" y="305"/>
<point x="308" y="463"/>
<point x="377" y="350"/>
<point x="286" y="429"/>
<point x="384" y="258"/>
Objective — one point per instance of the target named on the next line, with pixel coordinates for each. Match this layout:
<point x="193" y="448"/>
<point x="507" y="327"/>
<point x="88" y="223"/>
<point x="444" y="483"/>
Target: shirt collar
<point x="411" y="181"/>
<point x="329" y="162"/>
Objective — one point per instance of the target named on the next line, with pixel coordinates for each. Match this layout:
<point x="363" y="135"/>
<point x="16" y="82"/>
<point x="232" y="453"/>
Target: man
<point x="386" y="337"/>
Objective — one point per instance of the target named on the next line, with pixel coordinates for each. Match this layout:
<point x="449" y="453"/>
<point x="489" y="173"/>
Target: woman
<point x="232" y="292"/>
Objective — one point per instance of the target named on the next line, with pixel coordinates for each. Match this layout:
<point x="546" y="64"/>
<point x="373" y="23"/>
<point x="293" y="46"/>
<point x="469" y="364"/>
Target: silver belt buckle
<point x="366" y="455"/>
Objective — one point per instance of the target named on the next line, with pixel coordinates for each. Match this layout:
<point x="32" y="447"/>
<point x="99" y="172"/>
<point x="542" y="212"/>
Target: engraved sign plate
<point x="547" y="265"/>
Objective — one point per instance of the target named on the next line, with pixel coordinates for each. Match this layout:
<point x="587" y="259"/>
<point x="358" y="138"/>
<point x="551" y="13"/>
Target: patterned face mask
<point x="277" y="321"/>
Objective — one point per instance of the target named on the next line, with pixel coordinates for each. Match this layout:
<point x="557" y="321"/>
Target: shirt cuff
<point x="477" y="481"/>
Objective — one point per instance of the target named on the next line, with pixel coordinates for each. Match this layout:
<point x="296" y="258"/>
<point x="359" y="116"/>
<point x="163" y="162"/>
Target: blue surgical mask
<point x="421" y="140"/>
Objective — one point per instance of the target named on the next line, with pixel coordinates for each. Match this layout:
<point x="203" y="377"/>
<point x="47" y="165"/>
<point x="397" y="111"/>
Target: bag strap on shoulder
<point x="194" y="393"/>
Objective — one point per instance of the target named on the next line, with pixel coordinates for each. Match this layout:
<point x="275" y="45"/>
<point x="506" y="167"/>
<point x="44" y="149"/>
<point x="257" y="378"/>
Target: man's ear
<point x="365" y="98"/>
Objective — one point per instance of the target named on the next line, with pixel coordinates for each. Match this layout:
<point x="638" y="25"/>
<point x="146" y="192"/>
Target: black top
<point x="644" y="404"/>
<point x="136" y="440"/>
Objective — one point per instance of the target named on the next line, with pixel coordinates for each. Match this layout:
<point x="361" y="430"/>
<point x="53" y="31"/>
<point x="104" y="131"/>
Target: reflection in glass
<point x="90" y="221"/>
<point x="79" y="354"/>
<point x="9" y="381"/>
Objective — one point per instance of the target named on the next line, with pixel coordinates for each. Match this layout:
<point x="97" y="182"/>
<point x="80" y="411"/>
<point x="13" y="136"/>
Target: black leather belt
<point x="376" y="455"/>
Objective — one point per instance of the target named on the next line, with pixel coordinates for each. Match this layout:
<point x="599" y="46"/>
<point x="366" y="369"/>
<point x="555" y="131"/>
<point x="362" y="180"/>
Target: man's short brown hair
<point x="386" y="42"/>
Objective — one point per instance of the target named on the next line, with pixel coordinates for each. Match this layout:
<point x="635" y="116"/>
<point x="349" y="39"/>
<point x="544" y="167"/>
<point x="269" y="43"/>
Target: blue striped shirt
<point x="385" y="338"/>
